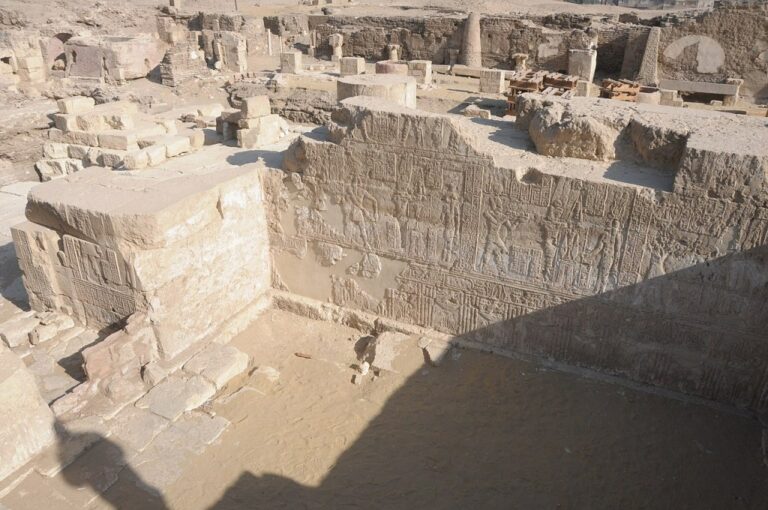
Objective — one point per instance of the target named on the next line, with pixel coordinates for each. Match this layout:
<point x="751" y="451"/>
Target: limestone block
<point x="77" y="151"/>
<point x="421" y="70"/>
<point x="261" y="131"/>
<point x="136" y="160"/>
<point x="176" y="395"/>
<point x="196" y="137"/>
<point x="110" y="158"/>
<point x="176" y="144"/>
<point x="583" y="88"/>
<point x="398" y="89"/>
<point x="75" y="137"/>
<point x="156" y="154"/>
<point x="118" y="140"/>
<point x="257" y="106"/>
<point x="16" y="333"/>
<point x="26" y="422"/>
<point x="352" y="66"/>
<point x="31" y="75"/>
<point x="76" y="105"/>
<point x="55" y="150"/>
<point x="120" y="120"/>
<point x="392" y="67"/>
<point x="648" y="97"/>
<point x="492" y="81"/>
<point x="30" y="63"/>
<point x="170" y="126"/>
<point x="53" y="168"/>
<point x="65" y="122"/>
<point x="582" y="63"/>
<point x="290" y="62"/>
<point x="210" y="110"/>
<point x="136" y="428"/>
<point x="189" y="246"/>
<point x="91" y="122"/>
<point x="218" y="364"/>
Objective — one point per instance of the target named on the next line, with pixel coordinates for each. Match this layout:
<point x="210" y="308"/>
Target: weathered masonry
<point x="651" y="266"/>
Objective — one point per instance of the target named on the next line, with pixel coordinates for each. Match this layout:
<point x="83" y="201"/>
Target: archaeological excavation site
<point x="346" y="254"/>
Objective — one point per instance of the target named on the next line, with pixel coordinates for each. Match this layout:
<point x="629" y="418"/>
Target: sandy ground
<point x="480" y="431"/>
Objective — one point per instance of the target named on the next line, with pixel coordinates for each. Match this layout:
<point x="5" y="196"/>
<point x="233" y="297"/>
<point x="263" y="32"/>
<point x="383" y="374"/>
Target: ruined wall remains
<point x="546" y="41"/>
<point x="112" y="58"/>
<point x="729" y="42"/>
<point x="658" y="275"/>
<point x="186" y="248"/>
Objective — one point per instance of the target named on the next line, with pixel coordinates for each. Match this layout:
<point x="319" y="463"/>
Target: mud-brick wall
<point x="730" y="42"/>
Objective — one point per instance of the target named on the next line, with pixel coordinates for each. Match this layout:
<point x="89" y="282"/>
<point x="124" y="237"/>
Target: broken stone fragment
<point x="176" y="395"/>
<point x="437" y="351"/>
<point x="253" y="107"/>
<point x="383" y="351"/>
<point x="16" y="333"/>
<point x="218" y="364"/>
<point x="475" y="111"/>
<point x="76" y="105"/>
<point x="31" y="427"/>
<point x="152" y="374"/>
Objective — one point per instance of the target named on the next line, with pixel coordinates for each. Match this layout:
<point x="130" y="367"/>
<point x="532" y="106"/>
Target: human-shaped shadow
<point x="100" y="466"/>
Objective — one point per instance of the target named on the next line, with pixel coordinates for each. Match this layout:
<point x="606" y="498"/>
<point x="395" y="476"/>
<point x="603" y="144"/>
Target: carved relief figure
<point x="451" y="219"/>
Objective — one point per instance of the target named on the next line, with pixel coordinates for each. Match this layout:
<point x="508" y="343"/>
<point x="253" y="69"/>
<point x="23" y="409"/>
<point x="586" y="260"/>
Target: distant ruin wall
<point x="399" y="214"/>
<point x="730" y="42"/>
<point x="433" y="38"/>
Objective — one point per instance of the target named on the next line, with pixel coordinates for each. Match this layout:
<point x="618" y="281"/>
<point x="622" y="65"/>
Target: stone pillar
<point x="733" y="99"/>
<point x="176" y="3"/>
<point x="394" y="52"/>
<point x="492" y="81"/>
<point x="521" y="61"/>
<point x="471" y="51"/>
<point x="649" y="67"/>
<point x="336" y="41"/>
<point x="582" y="63"/>
<point x="290" y="62"/>
<point x="352" y="66"/>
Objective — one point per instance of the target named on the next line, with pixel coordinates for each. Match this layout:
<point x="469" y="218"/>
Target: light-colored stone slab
<point x="176" y="395"/>
<point x="218" y="363"/>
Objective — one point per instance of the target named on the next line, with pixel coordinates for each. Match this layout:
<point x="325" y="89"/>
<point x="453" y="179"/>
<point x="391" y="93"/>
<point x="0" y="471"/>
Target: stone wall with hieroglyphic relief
<point x="427" y="219"/>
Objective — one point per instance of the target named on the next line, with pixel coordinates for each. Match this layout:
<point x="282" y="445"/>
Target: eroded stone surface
<point x="218" y="364"/>
<point x="176" y="395"/>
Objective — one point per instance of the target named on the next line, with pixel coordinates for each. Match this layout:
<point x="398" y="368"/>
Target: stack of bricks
<point x="253" y="125"/>
<point x="113" y="135"/>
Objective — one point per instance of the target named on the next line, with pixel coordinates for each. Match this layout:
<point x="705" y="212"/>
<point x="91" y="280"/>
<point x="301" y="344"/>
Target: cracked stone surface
<point x="175" y="395"/>
<point x="218" y="363"/>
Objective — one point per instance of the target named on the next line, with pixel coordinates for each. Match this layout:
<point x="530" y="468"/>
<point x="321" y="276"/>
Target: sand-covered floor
<point x="480" y="431"/>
